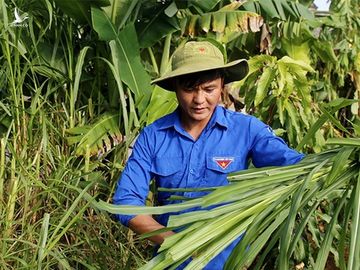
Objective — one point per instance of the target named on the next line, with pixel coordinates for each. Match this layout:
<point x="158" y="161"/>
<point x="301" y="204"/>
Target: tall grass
<point x="45" y="222"/>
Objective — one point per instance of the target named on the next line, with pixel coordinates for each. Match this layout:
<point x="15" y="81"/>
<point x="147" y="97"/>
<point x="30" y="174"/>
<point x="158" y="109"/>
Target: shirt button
<point x="191" y="171"/>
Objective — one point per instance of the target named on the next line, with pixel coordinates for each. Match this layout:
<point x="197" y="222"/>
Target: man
<point x="198" y="144"/>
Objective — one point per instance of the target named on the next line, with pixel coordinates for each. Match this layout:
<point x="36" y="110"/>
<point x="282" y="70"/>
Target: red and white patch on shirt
<point x="223" y="162"/>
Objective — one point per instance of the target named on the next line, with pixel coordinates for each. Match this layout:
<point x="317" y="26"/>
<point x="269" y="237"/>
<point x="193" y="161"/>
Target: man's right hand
<point x="144" y="224"/>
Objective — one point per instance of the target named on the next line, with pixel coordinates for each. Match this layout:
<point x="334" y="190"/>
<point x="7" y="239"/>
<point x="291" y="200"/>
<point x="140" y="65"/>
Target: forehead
<point x="195" y="79"/>
<point x="187" y="84"/>
<point x="214" y="82"/>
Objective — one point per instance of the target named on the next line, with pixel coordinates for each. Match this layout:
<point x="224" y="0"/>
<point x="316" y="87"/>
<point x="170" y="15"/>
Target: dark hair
<point x="193" y="80"/>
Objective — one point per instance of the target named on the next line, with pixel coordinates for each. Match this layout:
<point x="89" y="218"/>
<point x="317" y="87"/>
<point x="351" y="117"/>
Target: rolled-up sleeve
<point x="266" y="149"/>
<point x="133" y="184"/>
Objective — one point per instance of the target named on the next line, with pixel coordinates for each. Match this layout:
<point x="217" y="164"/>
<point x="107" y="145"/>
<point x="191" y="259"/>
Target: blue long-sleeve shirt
<point x="165" y="152"/>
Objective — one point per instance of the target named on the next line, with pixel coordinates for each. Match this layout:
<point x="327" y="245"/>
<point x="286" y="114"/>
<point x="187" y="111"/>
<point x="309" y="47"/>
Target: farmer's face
<point x="198" y="104"/>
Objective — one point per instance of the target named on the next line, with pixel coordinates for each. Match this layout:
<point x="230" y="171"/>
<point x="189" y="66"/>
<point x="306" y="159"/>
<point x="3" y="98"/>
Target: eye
<point x="209" y="89"/>
<point x="188" y="90"/>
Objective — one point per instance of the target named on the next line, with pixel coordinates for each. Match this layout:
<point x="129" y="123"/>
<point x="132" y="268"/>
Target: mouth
<point x="199" y="110"/>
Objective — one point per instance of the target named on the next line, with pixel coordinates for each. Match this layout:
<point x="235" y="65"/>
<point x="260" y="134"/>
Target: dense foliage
<point x="75" y="91"/>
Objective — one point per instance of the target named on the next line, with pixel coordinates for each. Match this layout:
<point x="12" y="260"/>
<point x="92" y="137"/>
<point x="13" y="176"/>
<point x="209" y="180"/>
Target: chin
<point x="199" y="117"/>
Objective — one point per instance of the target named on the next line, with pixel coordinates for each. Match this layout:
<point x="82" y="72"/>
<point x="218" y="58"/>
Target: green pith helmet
<point x="197" y="56"/>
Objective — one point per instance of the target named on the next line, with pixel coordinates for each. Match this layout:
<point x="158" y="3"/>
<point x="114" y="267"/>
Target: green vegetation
<point x="75" y="91"/>
<point x="275" y="206"/>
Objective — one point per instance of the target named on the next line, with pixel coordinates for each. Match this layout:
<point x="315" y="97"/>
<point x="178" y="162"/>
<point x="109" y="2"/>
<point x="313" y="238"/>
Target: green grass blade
<point x="344" y="141"/>
<point x="115" y="71"/>
<point x="354" y="250"/>
<point x="78" y="71"/>
<point x="260" y="223"/>
<point x="156" y="232"/>
<point x="311" y="132"/>
<point x="173" y="239"/>
<point x="340" y="163"/>
<point x="327" y="242"/>
<point x="2" y="171"/>
<point x="262" y="240"/>
<point x="227" y="193"/>
<point x="340" y="182"/>
<point x="139" y="210"/>
<point x="43" y="237"/>
<point x="335" y="106"/>
<point x="211" y="230"/>
<point x="301" y="227"/>
<point x="270" y="245"/>
<point x="287" y="233"/>
<point x="213" y="213"/>
<point x="190" y="243"/>
<point x="218" y="245"/>
<point x="343" y="242"/>
<point x="268" y="171"/>
<point x="333" y="120"/>
<point x="55" y="237"/>
<point x="159" y="262"/>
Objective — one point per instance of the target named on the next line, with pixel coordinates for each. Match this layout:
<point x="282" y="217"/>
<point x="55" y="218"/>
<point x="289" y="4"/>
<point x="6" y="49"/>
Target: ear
<point x="221" y="95"/>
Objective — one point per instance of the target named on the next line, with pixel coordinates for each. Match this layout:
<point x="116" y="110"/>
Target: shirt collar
<point x="170" y="120"/>
<point x="218" y="118"/>
<point x="173" y="120"/>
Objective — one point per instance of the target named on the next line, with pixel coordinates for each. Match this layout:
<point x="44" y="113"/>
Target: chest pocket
<point x="225" y="164"/>
<point x="219" y="166"/>
<point x="168" y="171"/>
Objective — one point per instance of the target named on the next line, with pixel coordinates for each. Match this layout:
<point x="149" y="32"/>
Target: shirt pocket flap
<point x="166" y="166"/>
<point x="222" y="164"/>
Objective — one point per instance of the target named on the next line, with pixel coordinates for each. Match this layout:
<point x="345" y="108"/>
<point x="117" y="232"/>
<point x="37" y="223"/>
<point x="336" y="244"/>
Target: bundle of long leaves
<point x="271" y="207"/>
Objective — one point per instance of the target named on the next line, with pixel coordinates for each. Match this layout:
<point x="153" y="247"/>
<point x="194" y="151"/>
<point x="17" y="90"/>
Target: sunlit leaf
<point x="262" y="87"/>
<point x="296" y="63"/>
<point x="162" y="102"/>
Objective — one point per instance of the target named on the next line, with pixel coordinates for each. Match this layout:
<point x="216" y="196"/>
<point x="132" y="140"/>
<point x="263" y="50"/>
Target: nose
<point x="199" y="96"/>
